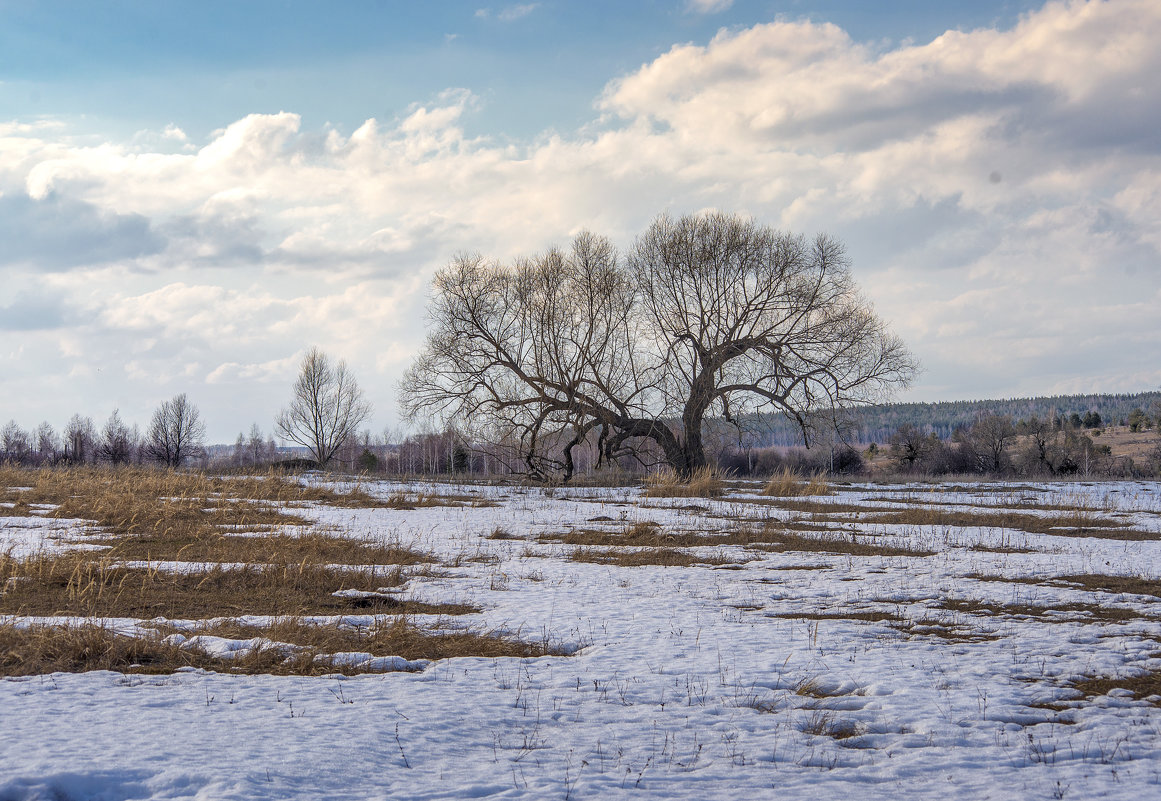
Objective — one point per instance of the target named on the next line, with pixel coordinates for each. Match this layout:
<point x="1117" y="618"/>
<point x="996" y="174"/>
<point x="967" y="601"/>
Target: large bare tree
<point x="327" y="408"/>
<point x="176" y="432"/>
<point x="707" y="315"/>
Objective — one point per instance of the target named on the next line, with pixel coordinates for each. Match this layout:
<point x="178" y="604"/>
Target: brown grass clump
<point x="704" y="483"/>
<point x="36" y="650"/>
<point x="1145" y="685"/>
<point x="776" y="537"/>
<point x="396" y="637"/>
<point x="787" y="483"/>
<point x="1068" y="524"/>
<point x="76" y="584"/>
<point x="1093" y="582"/>
<point x="1096" y="582"/>
<point x="823" y="723"/>
<point x="780" y="539"/>
<point x="866" y="615"/>
<point x="1065" y="612"/>
<point x="312" y="547"/>
<point x="645" y="534"/>
<point x="638" y="557"/>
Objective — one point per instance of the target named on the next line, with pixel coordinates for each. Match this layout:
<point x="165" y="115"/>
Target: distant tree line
<point x="175" y="437"/>
<point x="876" y="423"/>
<point x="327" y="407"/>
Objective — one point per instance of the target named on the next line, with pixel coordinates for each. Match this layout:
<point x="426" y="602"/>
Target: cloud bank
<point x="998" y="191"/>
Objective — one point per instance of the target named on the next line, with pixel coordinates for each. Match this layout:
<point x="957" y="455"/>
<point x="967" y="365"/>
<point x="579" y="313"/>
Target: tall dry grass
<point x="81" y="585"/>
<point x="704" y="483"/>
<point x="788" y="483"/>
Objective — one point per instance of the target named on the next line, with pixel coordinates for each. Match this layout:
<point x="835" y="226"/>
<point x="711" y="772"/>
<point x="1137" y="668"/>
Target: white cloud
<point x="214" y="266"/>
<point x="515" y="12"/>
<point x="707" y="6"/>
<point x="508" y="13"/>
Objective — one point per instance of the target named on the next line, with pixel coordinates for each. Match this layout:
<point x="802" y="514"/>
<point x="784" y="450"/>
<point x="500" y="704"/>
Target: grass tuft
<point x="787" y="483"/>
<point x="704" y="483"/>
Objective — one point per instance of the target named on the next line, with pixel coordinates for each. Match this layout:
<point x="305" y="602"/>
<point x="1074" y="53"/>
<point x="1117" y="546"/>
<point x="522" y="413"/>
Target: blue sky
<point x="193" y="194"/>
<point x="127" y="65"/>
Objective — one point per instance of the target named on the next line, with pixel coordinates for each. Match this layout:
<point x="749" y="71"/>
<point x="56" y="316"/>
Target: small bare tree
<point x="46" y="442"/>
<point x="16" y="444"/>
<point x="256" y="452"/>
<point x="80" y="439"/>
<point x="707" y="316"/>
<point x="176" y="432"/>
<point x="327" y="408"/>
<point x="116" y="445"/>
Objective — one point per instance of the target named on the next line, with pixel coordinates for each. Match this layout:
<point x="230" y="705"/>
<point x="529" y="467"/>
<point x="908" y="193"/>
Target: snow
<point x="685" y="682"/>
<point x="21" y="537"/>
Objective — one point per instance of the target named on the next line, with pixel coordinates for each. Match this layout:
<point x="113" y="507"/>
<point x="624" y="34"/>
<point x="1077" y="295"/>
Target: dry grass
<point x="704" y="483"/>
<point x="1145" y="685"/>
<point x="645" y="534"/>
<point x="772" y="537"/>
<point x="789" y="484"/>
<point x="777" y="539"/>
<point x="312" y="547"/>
<point x="1072" y="523"/>
<point x="824" y="723"/>
<point x="142" y="502"/>
<point x="110" y="495"/>
<point x="1000" y="548"/>
<point x="407" y="502"/>
<point x="948" y="631"/>
<point x="396" y="637"/>
<point x="1054" y="613"/>
<point x="638" y="557"/>
<point x="1093" y="582"/>
<point x="36" y="650"/>
<point x="866" y="615"/>
<point x="1096" y="582"/>
<point x="79" y="585"/>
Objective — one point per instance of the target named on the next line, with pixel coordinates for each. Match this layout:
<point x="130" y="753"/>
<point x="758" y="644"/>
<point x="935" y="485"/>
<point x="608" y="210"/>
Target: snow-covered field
<point x="778" y="674"/>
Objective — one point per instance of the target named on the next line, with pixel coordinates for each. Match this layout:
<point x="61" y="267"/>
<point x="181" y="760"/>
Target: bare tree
<point x="327" y="408"/>
<point x="176" y="432"/>
<point x="990" y="438"/>
<point x="80" y="439"/>
<point x="16" y="443"/>
<point x="46" y="442"/>
<point x="116" y="444"/>
<point x="910" y="445"/>
<point x="709" y="315"/>
<point x="256" y="452"/>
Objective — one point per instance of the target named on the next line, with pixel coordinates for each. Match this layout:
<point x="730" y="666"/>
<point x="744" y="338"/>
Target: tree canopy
<point x="706" y="315"/>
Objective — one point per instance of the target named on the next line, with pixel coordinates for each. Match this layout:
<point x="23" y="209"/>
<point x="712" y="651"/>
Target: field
<point x="188" y="636"/>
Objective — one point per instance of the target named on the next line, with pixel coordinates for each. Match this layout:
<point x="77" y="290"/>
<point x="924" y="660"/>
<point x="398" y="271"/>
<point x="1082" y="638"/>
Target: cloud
<point x="204" y="267"/>
<point x="60" y="233"/>
<point x="35" y="311"/>
<point x="707" y="6"/>
<point x="515" y="12"/>
<point x="508" y="13"/>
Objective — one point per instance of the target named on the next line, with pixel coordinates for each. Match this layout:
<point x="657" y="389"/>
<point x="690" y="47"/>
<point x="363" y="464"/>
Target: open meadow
<point x="183" y="635"/>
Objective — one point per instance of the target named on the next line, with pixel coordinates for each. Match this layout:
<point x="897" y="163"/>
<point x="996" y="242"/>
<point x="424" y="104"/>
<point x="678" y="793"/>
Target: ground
<point x="988" y="640"/>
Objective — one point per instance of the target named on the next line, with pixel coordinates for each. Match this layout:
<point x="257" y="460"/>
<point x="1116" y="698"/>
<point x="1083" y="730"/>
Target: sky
<point x="193" y="195"/>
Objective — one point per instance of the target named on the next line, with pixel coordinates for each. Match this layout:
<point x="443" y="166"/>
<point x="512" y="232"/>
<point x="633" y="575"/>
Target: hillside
<point x="875" y="424"/>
